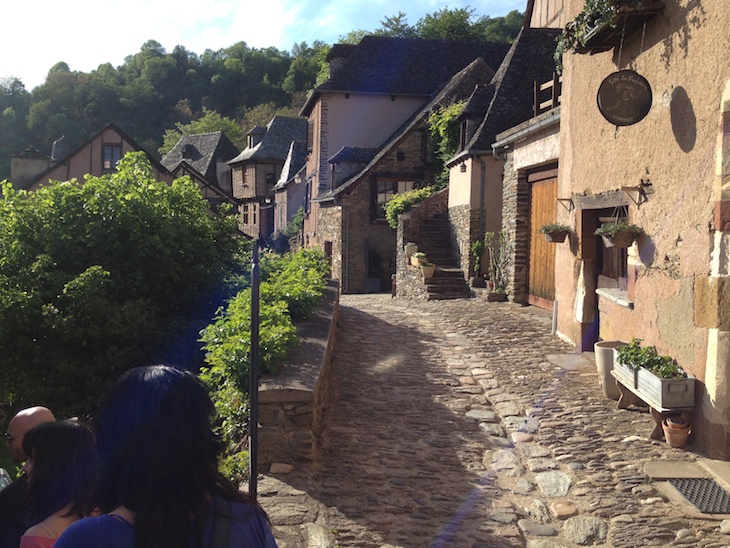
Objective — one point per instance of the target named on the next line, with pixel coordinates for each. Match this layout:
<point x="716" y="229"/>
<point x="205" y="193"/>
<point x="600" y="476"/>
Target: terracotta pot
<point x="676" y="437"/>
<point x="410" y="250"/>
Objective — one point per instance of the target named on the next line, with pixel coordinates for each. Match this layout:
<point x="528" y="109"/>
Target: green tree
<point x="100" y="276"/>
<point x="503" y="29"/>
<point x="210" y="121"/>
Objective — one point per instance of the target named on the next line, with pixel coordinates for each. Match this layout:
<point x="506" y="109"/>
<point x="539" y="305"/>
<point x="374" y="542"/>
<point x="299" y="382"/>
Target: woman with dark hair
<point x="160" y="484"/>
<point x="62" y="470"/>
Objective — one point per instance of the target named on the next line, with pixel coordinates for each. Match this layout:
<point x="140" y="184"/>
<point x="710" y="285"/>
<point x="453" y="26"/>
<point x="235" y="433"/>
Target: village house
<point x="645" y="138"/>
<point x="203" y="157"/>
<point x="358" y="152"/>
<point x="97" y="156"/>
<point x="289" y="190"/>
<point x="476" y="193"/>
<point x="257" y="169"/>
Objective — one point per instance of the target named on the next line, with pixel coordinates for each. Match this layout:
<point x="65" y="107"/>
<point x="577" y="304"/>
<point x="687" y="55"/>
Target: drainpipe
<point x="346" y="258"/>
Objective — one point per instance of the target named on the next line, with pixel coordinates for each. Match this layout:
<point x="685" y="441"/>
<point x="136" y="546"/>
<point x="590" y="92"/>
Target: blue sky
<point x="86" y="33"/>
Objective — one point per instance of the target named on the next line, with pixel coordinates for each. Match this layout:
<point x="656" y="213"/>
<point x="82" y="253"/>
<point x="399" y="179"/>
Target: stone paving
<point x="452" y="427"/>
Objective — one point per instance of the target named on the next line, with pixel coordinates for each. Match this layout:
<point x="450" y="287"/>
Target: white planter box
<point x="666" y="393"/>
<point x="625" y="374"/>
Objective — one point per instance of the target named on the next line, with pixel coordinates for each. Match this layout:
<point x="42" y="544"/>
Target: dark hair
<point x="65" y="468"/>
<point x="159" y="454"/>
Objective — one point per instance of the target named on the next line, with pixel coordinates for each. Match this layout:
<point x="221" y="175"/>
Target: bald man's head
<point x="23" y="421"/>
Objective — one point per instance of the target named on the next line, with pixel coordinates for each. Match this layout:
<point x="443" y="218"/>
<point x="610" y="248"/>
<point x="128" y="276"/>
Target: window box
<point x="627" y="18"/>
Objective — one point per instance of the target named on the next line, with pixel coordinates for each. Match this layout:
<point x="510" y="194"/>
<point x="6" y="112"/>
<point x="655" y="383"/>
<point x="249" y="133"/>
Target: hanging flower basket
<point x="618" y="234"/>
<point x="555" y="233"/>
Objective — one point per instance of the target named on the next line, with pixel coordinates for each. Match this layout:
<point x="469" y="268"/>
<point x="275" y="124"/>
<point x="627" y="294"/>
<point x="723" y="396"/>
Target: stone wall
<point x="464" y="230"/>
<point x="293" y="403"/>
<point x="515" y="222"/>
<point x="409" y="282"/>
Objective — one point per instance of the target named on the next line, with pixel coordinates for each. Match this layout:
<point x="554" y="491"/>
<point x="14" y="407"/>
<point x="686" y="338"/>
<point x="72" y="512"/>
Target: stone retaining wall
<point x="293" y="402"/>
<point x="409" y="282"/>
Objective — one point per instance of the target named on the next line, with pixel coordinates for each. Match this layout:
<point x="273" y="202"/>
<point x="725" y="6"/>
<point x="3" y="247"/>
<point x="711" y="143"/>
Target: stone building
<point x="654" y="150"/>
<point x="359" y="154"/>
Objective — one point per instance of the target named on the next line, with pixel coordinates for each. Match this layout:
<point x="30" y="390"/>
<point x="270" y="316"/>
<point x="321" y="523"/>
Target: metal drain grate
<point x="705" y="494"/>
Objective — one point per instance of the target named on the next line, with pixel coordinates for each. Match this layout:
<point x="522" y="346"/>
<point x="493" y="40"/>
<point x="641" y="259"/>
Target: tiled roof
<point x="275" y="143"/>
<point x="530" y="59"/>
<point x="458" y="88"/>
<point x="405" y="66"/>
<point x="294" y="162"/>
<point x="201" y="151"/>
<point x="478" y="103"/>
<point x="354" y="155"/>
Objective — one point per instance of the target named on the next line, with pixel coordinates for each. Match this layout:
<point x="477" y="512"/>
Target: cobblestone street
<point x="453" y="426"/>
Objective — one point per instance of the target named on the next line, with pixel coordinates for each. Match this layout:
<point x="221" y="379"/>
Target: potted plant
<point x="618" y="233"/>
<point x="599" y="17"/>
<point x="427" y="270"/>
<point x="496" y="246"/>
<point x="477" y="250"/>
<point x="418" y="258"/>
<point x="410" y="248"/>
<point x="658" y="380"/>
<point x="555" y="232"/>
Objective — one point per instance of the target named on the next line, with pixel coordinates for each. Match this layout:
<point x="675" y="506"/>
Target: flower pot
<point x="555" y="237"/>
<point x="417" y="261"/>
<point x="409" y="250"/>
<point x="604" y="351"/>
<point x="620" y="239"/>
<point x="427" y="271"/>
<point x="666" y="393"/>
<point x="676" y="437"/>
<point x="496" y="297"/>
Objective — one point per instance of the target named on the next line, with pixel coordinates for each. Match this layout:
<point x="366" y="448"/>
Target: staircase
<point x="435" y="241"/>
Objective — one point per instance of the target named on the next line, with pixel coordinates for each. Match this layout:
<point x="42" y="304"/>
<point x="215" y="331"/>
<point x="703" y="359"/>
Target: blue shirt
<point x="249" y="529"/>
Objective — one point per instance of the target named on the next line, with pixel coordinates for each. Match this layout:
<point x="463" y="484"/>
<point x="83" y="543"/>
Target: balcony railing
<point x="547" y="94"/>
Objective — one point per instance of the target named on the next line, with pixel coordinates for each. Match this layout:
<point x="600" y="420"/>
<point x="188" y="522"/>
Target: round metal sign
<point x="624" y="98"/>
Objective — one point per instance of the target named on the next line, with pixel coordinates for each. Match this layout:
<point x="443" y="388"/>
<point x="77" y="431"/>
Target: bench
<point x="630" y="396"/>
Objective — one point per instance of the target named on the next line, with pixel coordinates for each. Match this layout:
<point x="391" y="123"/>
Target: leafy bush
<point x="100" y="276"/>
<point x="290" y="289"/>
<point x="403" y="202"/>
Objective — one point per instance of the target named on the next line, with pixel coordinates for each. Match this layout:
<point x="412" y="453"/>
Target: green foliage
<point x="98" y="277"/>
<point x="452" y="24"/>
<point x="443" y="126"/>
<point x="611" y="229"/>
<point x="290" y="289"/>
<point x="296" y="224"/>
<point x="554" y="228"/>
<point x="635" y="356"/>
<point x="209" y="122"/>
<point x="596" y="13"/>
<point x="404" y="201"/>
<point x="496" y="245"/>
<point x="477" y="250"/>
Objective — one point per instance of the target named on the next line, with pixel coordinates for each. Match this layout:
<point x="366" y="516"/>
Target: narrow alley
<point x="467" y="424"/>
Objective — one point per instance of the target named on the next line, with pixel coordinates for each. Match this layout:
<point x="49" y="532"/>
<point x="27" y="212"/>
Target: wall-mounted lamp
<point x="462" y="168"/>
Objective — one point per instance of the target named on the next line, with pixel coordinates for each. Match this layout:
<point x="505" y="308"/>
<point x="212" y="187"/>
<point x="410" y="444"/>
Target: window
<point x="112" y="155"/>
<point x="310" y="136"/>
<point x="245" y="214"/>
<point x="385" y="189"/>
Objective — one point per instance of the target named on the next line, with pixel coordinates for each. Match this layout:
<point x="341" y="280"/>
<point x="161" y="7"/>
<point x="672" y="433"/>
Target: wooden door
<point x="541" y="265"/>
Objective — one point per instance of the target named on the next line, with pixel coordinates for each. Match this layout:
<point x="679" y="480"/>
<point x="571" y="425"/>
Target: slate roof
<point x="355" y="155"/>
<point x="530" y="59"/>
<point x="404" y="66"/>
<point x="275" y="143"/>
<point x="458" y="88"/>
<point x="295" y="160"/>
<point x="201" y="151"/>
<point x="479" y="102"/>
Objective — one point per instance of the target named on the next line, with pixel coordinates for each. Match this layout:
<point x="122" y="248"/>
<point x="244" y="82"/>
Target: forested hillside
<point x="155" y="93"/>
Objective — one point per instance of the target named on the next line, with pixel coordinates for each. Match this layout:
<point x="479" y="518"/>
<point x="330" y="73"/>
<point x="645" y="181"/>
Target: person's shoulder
<point x="250" y="526"/>
<point x="98" y="531"/>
